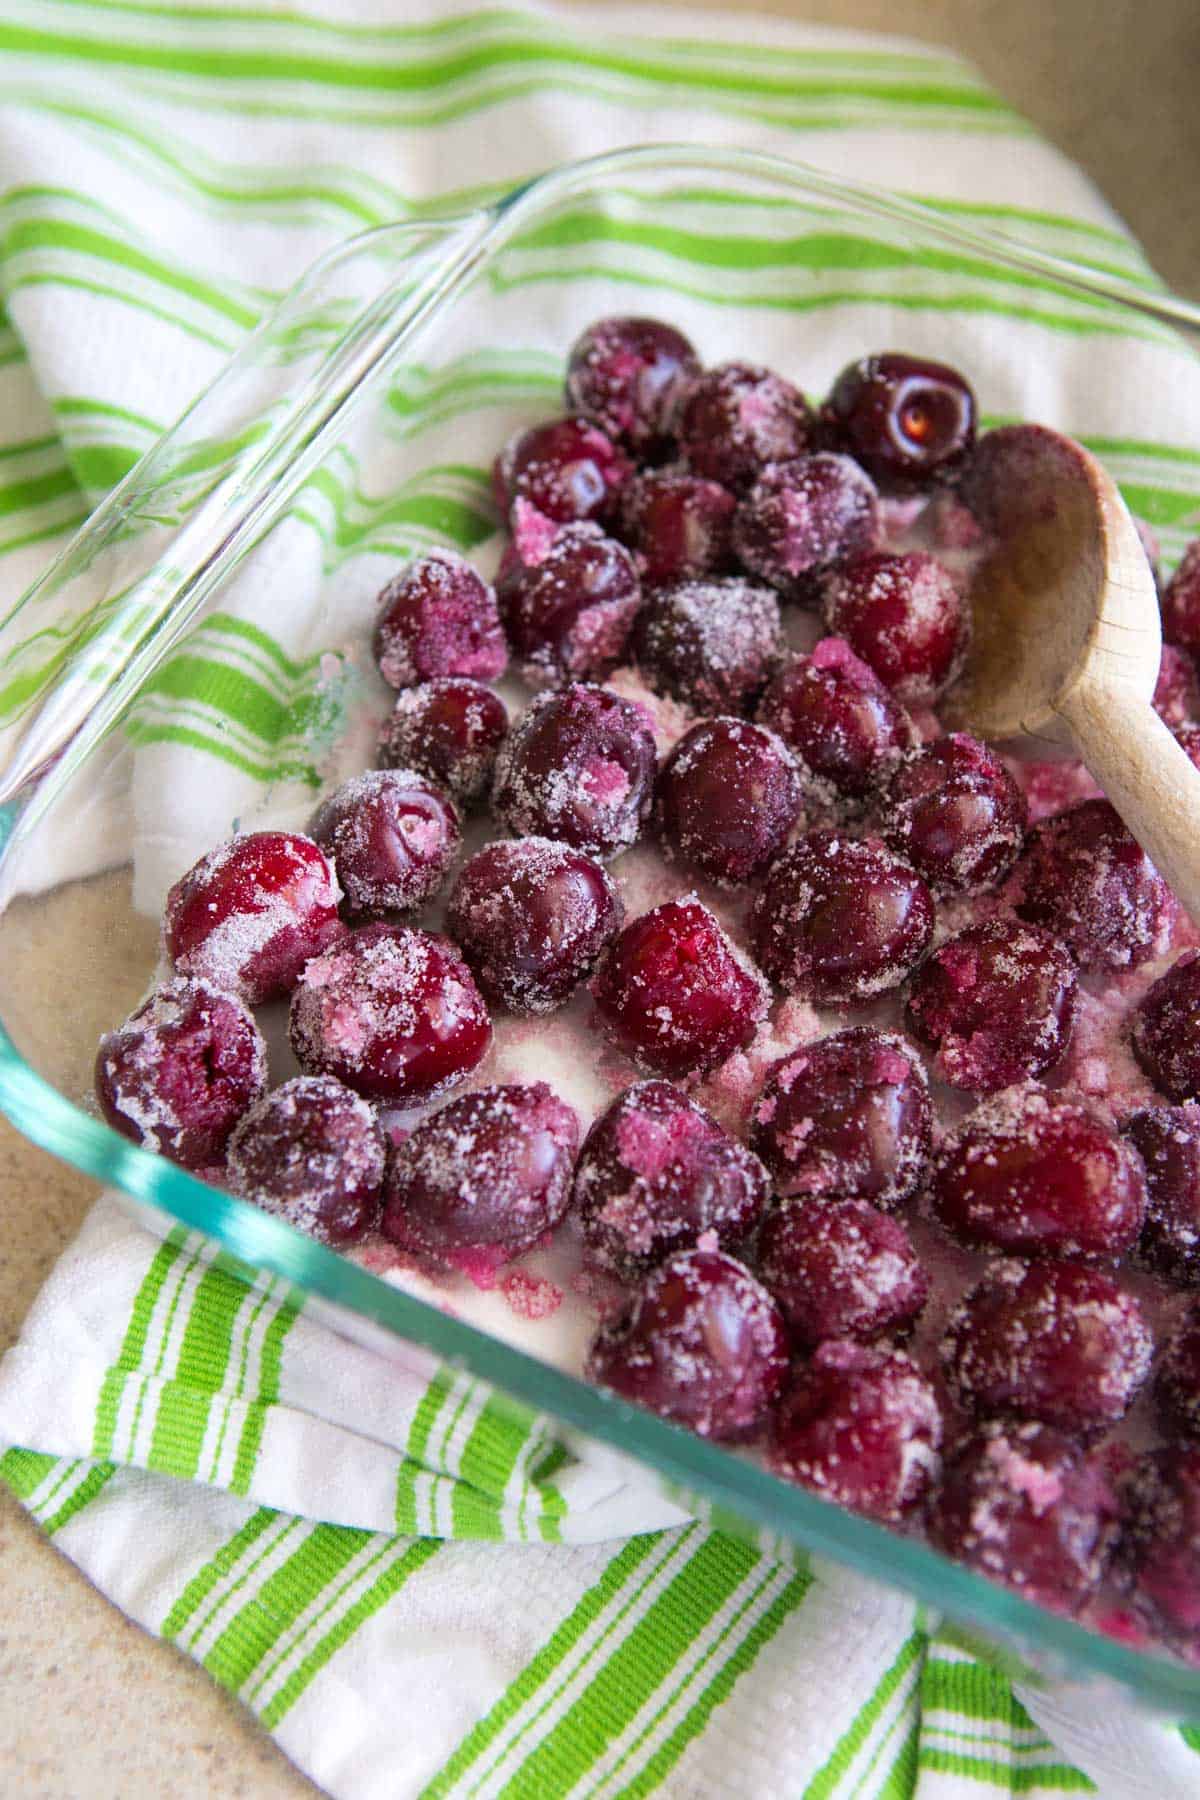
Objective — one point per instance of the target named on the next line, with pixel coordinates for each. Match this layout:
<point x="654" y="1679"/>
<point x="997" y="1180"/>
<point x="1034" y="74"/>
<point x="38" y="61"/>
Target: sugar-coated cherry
<point x="1054" y="1341"/>
<point x="840" y="1269"/>
<point x="673" y="993"/>
<point x="578" y="765"/>
<point x="1032" y="1508"/>
<point x="802" y="515"/>
<point x="726" y="799"/>
<point x="860" y="1425"/>
<point x="392" y="835"/>
<point x="565" y="469"/>
<point x="1180" y="602"/>
<point x="842" y="725"/>
<point x="438" y="617"/>
<point x="903" y="417"/>
<point x="1177" y="1381"/>
<point x="180" y="1072"/>
<point x="483" y="1179"/>
<point x="250" y="914"/>
<point x="840" y="919"/>
<point x="1167" y="1138"/>
<point x="1165" y="1034"/>
<point x="702" y="1343"/>
<point x="1160" y="1544"/>
<point x="1177" y="691"/>
<point x="1087" y="879"/>
<point x="532" y="917"/>
<point x="735" y="419"/>
<point x="903" y="614"/>
<point x="847" y="1115"/>
<point x="656" y="1171"/>
<point x="451" y="731"/>
<point x="312" y="1152"/>
<point x="996" y="1003"/>
<point x="1039" y="1174"/>
<point x="392" y="1012"/>
<point x="569" y="613"/>
<point x="712" y="644"/>
<point x="1187" y="736"/>
<point x="954" y="811"/>
<point x="680" y="525"/>
<point x="624" y="373"/>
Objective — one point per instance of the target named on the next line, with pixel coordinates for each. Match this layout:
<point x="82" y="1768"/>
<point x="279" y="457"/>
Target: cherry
<point x="624" y="373"/>
<point x="392" y="836"/>
<point x="702" y="1343"/>
<point x="1177" y="1383"/>
<point x="726" y="799"/>
<point x="490" y="1172"/>
<point x="438" y="617"/>
<point x="956" y="813"/>
<point x="1165" y="1033"/>
<point x="860" y="1426"/>
<point x="392" y="1012"/>
<point x="680" y="525"/>
<point x="841" y="920"/>
<point x="1039" y="1175"/>
<point x="312" y="1153"/>
<point x="568" y="614"/>
<point x="578" y="765"/>
<point x="904" y="418"/>
<point x="997" y="1004"/>
<point x="903" y="614"/>
<point x="1029" y="1507"/>
<point x="449" y="730"/>
<point x="1087" y="879"/>
<point x="840" y="1269"/>
<point x="1167" y="1138"/>
<point x="712" y="644"/>
<point x="802" y="515"/>
<point x="1054" y="1341"/>
<point x="1180" y="602"/>
<point x="847" y="1115"/>
<point x="565" y="469"/>
<point x="532" y="917"/>
<point x="250" y="914"/>
<point x="1177" y="691"/>
<point x="842" y="725"/>
<point x="181" y="1070"/>
<point x="655" y="1172"/>
<point x="674" y="994"/>
<point x="735" y="419"/>
<point x="1160" y="1547"/>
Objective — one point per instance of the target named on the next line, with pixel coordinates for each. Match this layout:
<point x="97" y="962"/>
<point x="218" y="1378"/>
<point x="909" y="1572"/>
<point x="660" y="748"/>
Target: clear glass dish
<point x="353" y="406"/>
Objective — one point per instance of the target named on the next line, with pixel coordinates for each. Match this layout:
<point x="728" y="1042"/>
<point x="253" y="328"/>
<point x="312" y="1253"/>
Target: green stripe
<point x="270" y="1362"/>
<point x="1008" y="1778"/>
<point x="214" y="1571"/>
<point x="93" y="1484"/>
<point x="900" y="1782"/>
<point x="283" y="1596"/>
<point x="134" y="1344"/>
<point x="24" y="1471"/>
<point x="826" y="1780"/>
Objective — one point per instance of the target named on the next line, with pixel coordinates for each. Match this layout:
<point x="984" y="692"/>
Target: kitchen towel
<point x="415" y="1595"/>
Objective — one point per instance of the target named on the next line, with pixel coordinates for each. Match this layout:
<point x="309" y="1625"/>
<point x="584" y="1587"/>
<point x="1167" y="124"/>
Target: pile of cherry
<point x="665" y="521"/>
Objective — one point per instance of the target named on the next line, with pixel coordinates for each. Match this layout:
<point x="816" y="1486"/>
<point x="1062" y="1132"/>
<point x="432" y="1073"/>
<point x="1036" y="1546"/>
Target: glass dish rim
<point x="47" y="1118"/>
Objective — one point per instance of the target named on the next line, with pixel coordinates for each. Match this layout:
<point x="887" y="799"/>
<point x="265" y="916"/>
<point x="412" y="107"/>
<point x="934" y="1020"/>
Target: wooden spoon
<point x="1067" y="641"/>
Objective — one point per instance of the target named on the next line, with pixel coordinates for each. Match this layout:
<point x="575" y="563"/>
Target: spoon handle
<point x="1149" y="778"/>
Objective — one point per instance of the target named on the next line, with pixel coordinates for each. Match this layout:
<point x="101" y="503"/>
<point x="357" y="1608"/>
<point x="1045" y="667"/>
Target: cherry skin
<point x="579" y="766"/>
<point x="713" y="644"/>
<point x="1177" y="690"/>
<point x="532" y="918"/>
<point x="702" y="1342"/>
<point x="954" y="811"/>
<point x="180" y="1072"/>
<point x="847" y="1115"/>
<point x="841" y="724"/>
<point x="312" y="1153"/>
<point x="1180" y="603"/>
<point x="450" y="731"/>
<point x="840" y="1269"/>
<point x="673" y="994"/>
<point x="1087" y="879"/>
<point x="904" y="616"/>
<point x="802" y="515"/>
<point x="907" y="420"/>
<point x="251" y="913"/>
<point x="1165" y="1033"/>
<point x="726" y="799"/>
<point x="568" y="614"/>
<point x="565" y="469"/>
<point x="1177" y="1382"/>
<point x="1039" y="1175"/>
<point x="680" y="525"/>
<point x="1167" y="1138"/>
<point x="623" y="374"/>
<point x="1160" y="1546"/>
<point x="655" y="1172"/>
<point x="735" y="419"/>
<point x="438" y="617"/>
<point x="996" y="1003"/>
<point x="392" y="836"/>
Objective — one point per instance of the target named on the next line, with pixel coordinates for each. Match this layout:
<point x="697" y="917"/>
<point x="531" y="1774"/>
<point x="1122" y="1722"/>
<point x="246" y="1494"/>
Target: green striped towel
<point x="415" y="1595"/>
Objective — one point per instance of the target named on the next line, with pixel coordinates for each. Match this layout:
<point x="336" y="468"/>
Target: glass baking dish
<point x="348" y="421"/>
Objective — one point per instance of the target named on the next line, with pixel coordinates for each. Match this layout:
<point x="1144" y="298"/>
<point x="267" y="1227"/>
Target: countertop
<point x="88" y="1704"/>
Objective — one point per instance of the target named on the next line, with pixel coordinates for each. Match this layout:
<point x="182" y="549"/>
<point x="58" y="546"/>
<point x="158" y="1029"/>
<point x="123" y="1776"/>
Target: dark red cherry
<point x="1165" y="1033"/>
<point x="1167" y="1138"/>
<point x="802" y="515"/>
<point x="312" y="1152"/>
<point x="673" y="993"/>
<point x="1177" y="691"/>
<point x="735" y="419"/>
<point x="702" y="1343"/>
<point x="954" y="811"/>
<point x="842" y="725"/>
<point x="578" y="765"/>
<point x="1180" y="602"/>
<point x="1188" y="737"/>
<point x="392" y="836"/>
<point x="903" y="614"/>
<point x="532" y="917"/>
<point x="712" y="644"/>
<point x="680" y="525"/>
<point x="655" y="1172"/>
<point x="569" y="613"/>
<point x="180" y="1072"/>
<point x="438" y="617"/>
<point x="451" y="731"/>
<point x="840" y="1269"/>
<point x="565" y="469"/>
<point x="903" y="417"/>
<point x="1177" y="1383"/>
<point x="1088" y="880"/>
<point x="726" y="799"/>
<point x="624" y="374"/>
<point x="252" y="912"/>
<point x="1160" y="1545"/>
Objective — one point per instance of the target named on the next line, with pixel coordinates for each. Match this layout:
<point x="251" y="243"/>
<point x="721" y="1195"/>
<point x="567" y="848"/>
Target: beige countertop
<point x="88" y="1704"/>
